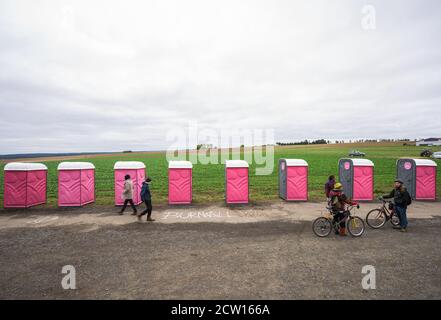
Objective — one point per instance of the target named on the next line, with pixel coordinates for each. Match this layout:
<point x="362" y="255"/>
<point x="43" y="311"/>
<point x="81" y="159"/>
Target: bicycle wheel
<point x="355" y="226"/>
<point x="376" y="218"/>
<point x="394" y="219"/>
<point x="322" y="227"/>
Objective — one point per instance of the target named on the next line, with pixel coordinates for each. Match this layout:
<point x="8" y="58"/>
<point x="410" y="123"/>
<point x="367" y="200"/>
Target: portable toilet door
<point x="419" y="177"/>
<point x="357" y="178"/>
<point x="180" y="182"/>
<point x="237" y="182"/>
<point x="293" y="179"/>
<point x="136" y="170"/>
<point x="25" y="185"/>
<point x="76" y="184"/>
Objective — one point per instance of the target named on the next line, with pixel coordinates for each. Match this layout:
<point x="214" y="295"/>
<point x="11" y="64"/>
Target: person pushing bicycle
<point x="338" y="203"/>
<point x="402" y="200"/>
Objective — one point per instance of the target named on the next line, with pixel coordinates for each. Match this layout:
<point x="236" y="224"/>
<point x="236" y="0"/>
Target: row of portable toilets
<point x="26" y="183"/>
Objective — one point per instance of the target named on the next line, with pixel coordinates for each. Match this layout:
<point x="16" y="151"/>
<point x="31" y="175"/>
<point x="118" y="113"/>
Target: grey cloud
<point x="113" y="75"/>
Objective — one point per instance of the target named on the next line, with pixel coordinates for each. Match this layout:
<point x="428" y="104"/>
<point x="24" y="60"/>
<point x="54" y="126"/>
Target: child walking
<point x="329" y="186"/>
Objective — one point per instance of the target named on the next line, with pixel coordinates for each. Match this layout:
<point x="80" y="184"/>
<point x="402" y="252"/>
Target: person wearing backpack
<point x="146" y="197"/>
<point x="402" y="200"/>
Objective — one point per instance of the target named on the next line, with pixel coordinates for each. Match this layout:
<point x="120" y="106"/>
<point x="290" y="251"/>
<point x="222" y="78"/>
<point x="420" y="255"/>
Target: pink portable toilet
<point x="357" y="178"/>
<point x="25" y="184"/>
<point x="76" y="184"/>
<point x="293" y="179"/>
<point x="236" y="182"/>
<point x="136" y="170"/>
<point x="419" y="177"/>
<point x="180" y="182"/>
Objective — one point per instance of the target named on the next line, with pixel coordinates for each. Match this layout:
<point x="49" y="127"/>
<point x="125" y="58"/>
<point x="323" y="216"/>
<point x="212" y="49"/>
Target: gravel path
<point x="263" y="251"/>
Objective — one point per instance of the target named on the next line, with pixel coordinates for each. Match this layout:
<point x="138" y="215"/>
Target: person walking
<point x="146" y="197"/>
<point x="329" y="186"/>
<point x="402" y="200"/>
<point x="127" y="195"/>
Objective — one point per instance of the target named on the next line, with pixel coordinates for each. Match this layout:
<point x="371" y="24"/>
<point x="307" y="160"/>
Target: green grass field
<point x="208" y="180"/>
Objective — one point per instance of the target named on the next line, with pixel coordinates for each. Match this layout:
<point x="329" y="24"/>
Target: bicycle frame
<point x="385" y="210"/>
<point x="347" y="216"/>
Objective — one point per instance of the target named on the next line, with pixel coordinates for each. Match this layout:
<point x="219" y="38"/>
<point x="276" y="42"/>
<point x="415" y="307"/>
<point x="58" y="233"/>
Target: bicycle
<point x="377" y="218"/>
<point x="323" y="226"/>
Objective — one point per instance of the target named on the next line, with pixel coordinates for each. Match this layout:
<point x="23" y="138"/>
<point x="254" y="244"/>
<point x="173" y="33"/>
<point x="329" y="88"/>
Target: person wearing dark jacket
<point x="402" y="200"/>
<point x="339" y="202"/>
<point x="329" y="186"/>
<point x="146" y="197"/>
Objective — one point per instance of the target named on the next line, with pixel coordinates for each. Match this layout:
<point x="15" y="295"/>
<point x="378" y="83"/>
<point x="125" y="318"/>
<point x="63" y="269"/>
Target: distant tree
<point x="304" y="142"/>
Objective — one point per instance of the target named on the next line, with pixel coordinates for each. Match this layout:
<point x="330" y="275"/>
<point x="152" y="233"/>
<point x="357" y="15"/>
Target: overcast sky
<point x="117" y="75"/>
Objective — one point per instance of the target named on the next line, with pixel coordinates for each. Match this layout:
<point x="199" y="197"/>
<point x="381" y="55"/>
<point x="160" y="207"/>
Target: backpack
<point x="409" y="199"/>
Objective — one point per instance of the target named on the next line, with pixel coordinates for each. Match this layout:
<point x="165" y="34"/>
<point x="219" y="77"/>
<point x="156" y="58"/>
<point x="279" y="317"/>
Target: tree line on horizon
<point x="323" y="141"/>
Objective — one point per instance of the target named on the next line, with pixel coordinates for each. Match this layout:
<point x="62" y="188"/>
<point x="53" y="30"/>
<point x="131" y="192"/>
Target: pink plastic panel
<point x="363" y="184"/>
<point x="297" y="183"/>
<point x="237" y="185"/>
<point x="69" y="188"/>
<point x="137" y="185"/>
<point x="426" y="183"/>
<point x="15" y="189"/>
<point x="36" y="187"/>
<point x="179" y="186"/>
<point x="87" y="186"/>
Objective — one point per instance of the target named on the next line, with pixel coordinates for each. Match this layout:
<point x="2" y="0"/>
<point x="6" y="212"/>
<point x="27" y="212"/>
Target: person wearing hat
<point x="402" y="200"/>
<point x="146" y="197"/>
<point x="338" y="203"/>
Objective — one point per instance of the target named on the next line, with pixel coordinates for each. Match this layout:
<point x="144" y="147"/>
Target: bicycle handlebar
<point x="384" y="200"/>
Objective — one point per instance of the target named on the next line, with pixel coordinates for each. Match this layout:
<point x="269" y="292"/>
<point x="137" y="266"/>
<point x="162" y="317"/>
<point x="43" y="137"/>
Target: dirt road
<point x="263" y="251"/>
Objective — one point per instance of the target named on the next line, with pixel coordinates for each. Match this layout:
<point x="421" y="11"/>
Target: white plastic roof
<point x="296" y="163"/>
<point x="24" y="166"/>
<point x="236" y="164"/>
<point x="180" y="165"/>
<point x="424" y="162"/>
<point x="75" y="165"/>
<point x="129" y="165"/>
<point x="362" y="162"/>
